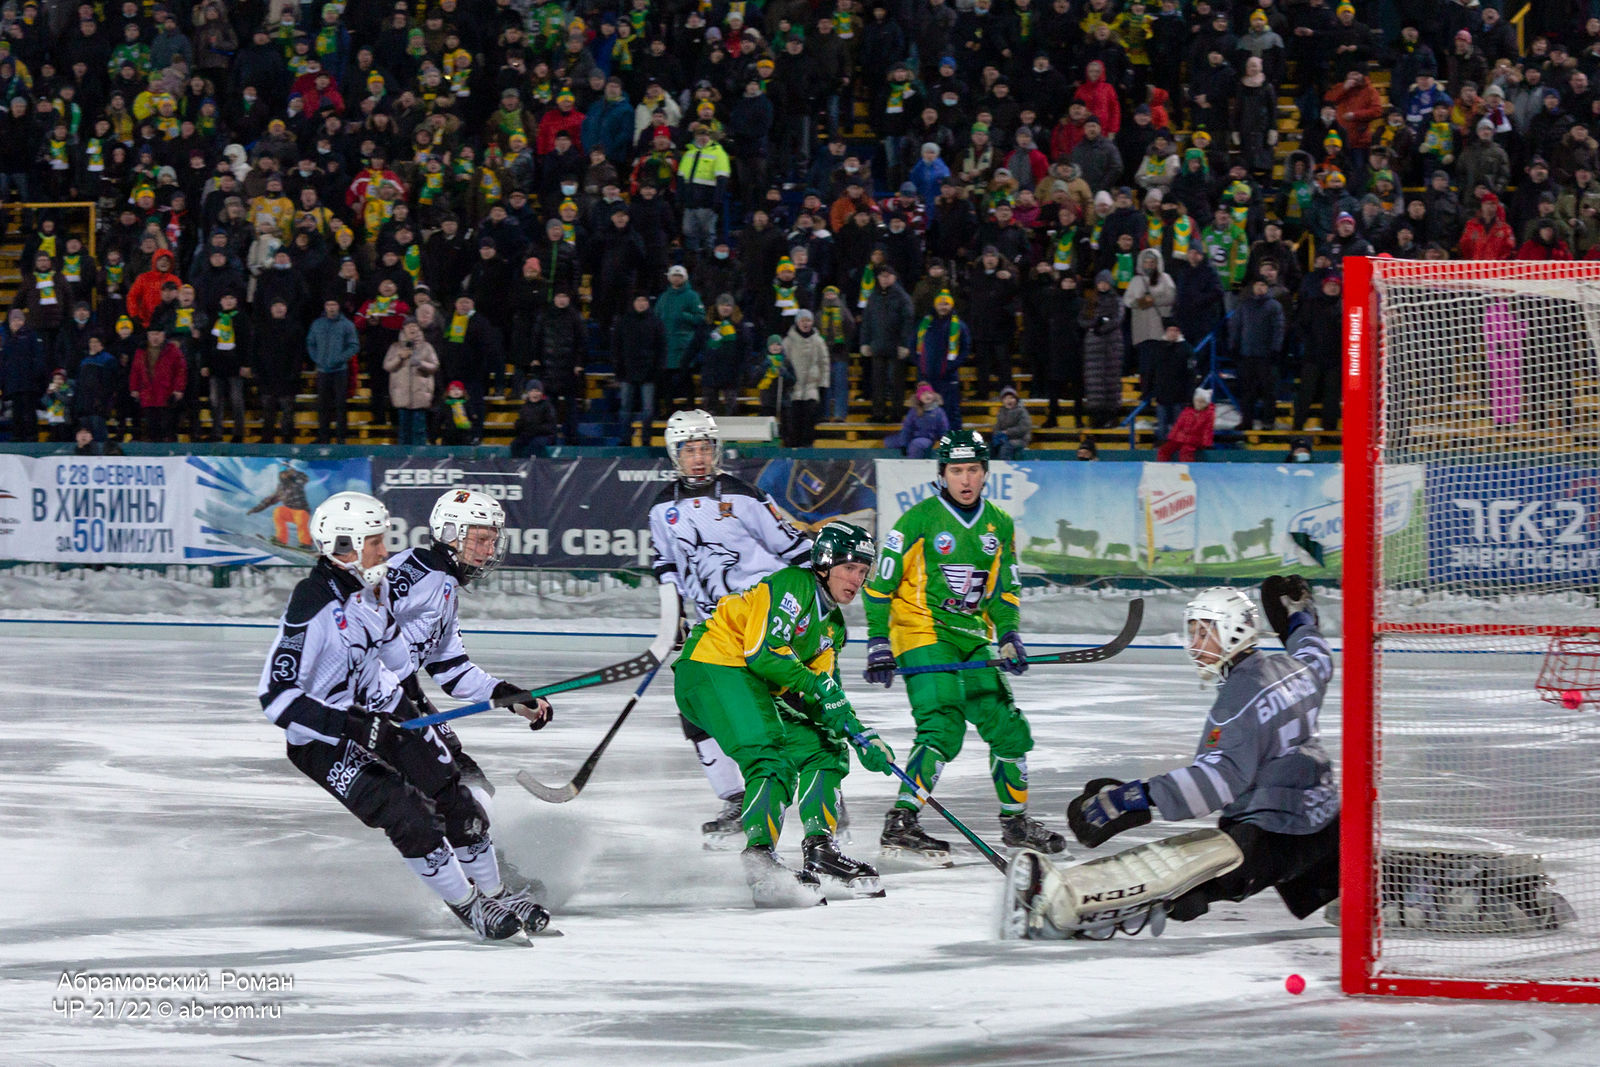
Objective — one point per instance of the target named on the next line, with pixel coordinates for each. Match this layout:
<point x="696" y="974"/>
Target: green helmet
<point x="962" y="446"/>
<point x="842" y="542"/>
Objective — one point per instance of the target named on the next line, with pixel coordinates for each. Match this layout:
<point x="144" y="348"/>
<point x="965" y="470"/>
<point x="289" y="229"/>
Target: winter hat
<point x="1344" y="216"/>
<point x="677" y="270"/>
<point x="1203" y="397"/>
<point x="566" y="94"/>
<point x="773" y="339"/>
<point x="1342" y="8"/>
<point x="980" y="127"/>
<point x="1485" y="124"/>
<point x="1236" y="188"/>
<point x="944" y="299"/>
<point x="530" y="386"/>
<point x="784" y="262"/>
<point x="805" y="315"/>
<point x="1200" y="139"/>
<point x="1008" y="391"/>
<point x="1494" y="90"/>
<point x="1103" y="199"/>
<point x="457" y="385"/>
<point x="1258" y="18"/>
<point x="929" y="146"/>
<point x="1334" y="180"/>
<point x="925" y="392"/>
<point x="830" y="290"/>
<point x="1333" y="139"/>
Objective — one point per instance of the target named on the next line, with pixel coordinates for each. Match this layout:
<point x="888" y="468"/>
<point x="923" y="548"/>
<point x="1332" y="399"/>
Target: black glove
<point x="539" y="713"/>
<point x="421" y="707"/>
<point x="1107" y="807"/>
<point x="378" y="734"/>
<point x="1014" y="653"/>
<point x="880" y="662"/>
<point x="1282" y="597"/>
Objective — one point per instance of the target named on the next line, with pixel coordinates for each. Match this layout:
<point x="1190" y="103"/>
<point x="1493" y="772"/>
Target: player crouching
<point x="1259" y="761"/>
<point x="330" y="683"/>
<point x="761" y="676"/>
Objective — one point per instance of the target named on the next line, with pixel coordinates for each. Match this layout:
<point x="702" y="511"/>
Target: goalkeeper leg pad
<point x="1126" y="891"/>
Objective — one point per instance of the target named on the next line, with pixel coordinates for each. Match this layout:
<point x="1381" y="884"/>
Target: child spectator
<point x="1193" y="431"/>
<point x="1013" y="426"/>
<point x="925" y="422"/>
<point x="536" y="427"/>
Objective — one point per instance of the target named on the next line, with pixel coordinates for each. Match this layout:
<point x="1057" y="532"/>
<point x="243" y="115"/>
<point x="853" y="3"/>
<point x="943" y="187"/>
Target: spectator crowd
<point x="734" y="204"/>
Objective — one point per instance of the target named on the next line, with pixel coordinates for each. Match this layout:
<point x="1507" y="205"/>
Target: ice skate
<point x="517" y="882"/>
<point x="487" y="917"/>
<point x="531" y="914"/>
<point x="726" y="832"/>
<point x="838" y="872"/>
<point x="1024" y="831"/>
<point x="903" y="836"/>
<point x="772" y="885"/>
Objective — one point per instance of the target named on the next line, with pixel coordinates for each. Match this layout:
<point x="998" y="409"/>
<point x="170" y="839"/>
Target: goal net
<point x="1471" y="862"/>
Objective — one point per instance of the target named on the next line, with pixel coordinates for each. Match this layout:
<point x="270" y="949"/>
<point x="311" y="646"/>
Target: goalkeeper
<point x="1259" y="762"/>
<point x="761" y="676"/>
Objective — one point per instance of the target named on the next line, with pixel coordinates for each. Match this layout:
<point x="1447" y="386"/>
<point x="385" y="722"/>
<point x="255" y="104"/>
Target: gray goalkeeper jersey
<point x="1259" y="759"/>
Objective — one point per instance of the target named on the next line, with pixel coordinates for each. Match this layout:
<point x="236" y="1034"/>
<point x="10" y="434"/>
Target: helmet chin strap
<point x="371" y="577"/>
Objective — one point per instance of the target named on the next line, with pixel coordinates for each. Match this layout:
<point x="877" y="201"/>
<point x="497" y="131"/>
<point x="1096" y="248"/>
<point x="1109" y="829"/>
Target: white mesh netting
<point x="1488" y="802"/>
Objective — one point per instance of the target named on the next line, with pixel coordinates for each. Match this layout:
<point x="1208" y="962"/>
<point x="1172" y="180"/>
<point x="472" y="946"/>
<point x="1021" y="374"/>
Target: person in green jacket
<point x="945" y="584"/>
<point x="682" y="313"/>
<point x="761" y="676"/>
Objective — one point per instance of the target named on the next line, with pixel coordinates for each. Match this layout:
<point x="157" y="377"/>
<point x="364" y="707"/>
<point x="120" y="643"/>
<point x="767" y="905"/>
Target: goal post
<point x="1470" y="849"/>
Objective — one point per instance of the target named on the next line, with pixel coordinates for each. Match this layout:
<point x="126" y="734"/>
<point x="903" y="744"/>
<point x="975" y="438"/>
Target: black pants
<point x="888" y="386"/>
<point x="159" y="424"/>
<point x="1319" y="385"/>
<point x="1303" y="868"/>
<point x="1258" y="389"/>
<point x="332" y="406"/>
<point x="277" y="416"/>
<point x="413" y="794"/>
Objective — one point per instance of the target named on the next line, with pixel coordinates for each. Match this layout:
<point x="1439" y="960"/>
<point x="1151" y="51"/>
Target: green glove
<point x="837" y="713"/>
<point x="875" y="755"/>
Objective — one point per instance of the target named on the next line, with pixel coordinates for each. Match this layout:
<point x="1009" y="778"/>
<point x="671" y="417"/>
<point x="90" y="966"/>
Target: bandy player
<point x="714" y="535"/>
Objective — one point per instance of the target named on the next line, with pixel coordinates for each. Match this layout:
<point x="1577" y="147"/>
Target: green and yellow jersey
<point x="782" y="629"/>
<point x="941" y="574"/>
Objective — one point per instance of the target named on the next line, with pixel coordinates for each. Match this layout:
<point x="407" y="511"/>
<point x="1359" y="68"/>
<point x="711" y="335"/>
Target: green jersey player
<point x="944" y="586"/>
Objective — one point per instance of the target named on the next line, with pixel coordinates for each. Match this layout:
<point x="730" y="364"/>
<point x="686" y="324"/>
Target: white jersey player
<point x="424" y="595"/>
<point x="331" y="681"/>
<point x="1259" y="762"/>
<point x="714" y="535"/>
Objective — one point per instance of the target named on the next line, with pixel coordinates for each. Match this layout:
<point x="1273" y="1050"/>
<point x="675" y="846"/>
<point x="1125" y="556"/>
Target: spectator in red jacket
<point x="1488" y="235"/>
<point x="156" y="379"/>
<point x="1192" y="431"/>
<point x="566" y="116"/>
<point x="1544" y="243"/>
<point x="145" y="295"/>
<point x="1100" y="98"/>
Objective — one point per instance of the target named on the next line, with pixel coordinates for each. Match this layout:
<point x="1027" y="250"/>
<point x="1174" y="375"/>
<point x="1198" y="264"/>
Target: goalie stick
<point x="926" y="797"/>
<point x="646" y="663"/>
<point x="560" y="794"/>
<point x="1130" y="629"/>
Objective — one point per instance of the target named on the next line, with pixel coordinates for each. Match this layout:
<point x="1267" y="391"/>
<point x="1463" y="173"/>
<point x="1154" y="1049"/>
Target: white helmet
<point x="456" y="513"/>
<point x="1230" y="616"/>
<point x="342" y="523"/>
<point x="696" y="425"/>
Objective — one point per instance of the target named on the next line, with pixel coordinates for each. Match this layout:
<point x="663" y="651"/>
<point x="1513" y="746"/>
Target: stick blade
<point x="552" y="794"/>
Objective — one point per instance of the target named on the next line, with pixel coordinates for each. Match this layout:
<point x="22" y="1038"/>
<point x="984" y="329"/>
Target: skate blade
<point x="916" y="859"/>
<point x="852" y="889"/>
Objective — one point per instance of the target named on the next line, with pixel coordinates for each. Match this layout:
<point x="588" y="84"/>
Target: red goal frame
<point x="1360" y="968"/>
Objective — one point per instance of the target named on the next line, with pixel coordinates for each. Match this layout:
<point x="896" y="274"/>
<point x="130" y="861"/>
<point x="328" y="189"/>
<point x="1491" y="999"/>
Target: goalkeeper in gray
<point x="1259" y="762"/>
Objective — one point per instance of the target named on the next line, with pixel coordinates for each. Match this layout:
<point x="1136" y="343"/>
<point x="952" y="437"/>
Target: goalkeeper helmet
<point x="841" y="542"/>
<point x="456" y="514"/>
<point x="341" y="525"/>
<point x="1226" y="616"/>
<point x="696" y="425"/>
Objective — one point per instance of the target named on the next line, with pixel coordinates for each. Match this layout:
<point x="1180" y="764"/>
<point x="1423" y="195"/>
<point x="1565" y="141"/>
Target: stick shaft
<point x="563" y="793"/>
<point x="927" y="798"/>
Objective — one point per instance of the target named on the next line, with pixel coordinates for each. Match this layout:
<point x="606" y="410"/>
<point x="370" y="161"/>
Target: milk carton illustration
<point x="1168" y="514"/>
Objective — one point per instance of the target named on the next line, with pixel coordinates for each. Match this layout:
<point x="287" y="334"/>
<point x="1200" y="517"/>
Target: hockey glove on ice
<point x="1282" y="598"/>
<point x="880" y="662"/>
<point x="875" y="755"/>
<point x="539" y="713"/>
<point x="1014" y="653"/>
<point x="1107" y="807"/>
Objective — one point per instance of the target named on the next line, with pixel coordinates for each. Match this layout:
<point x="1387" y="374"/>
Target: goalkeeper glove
<point x="1107" y="807"/>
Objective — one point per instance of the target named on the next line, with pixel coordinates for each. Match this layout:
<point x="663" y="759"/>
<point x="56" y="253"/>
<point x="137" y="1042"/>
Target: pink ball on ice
<point x="1295" y="984"/>
<point x="1570" y="699"/>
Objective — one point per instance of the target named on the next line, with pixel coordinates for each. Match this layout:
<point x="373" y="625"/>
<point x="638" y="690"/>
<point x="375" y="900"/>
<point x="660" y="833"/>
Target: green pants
<point x="776" y="748"/>
<point x="942" y="704"/>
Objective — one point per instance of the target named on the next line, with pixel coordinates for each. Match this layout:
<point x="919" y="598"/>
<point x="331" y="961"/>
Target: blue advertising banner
<point x="1516" y="528"/>
<point x="257" y="509"/>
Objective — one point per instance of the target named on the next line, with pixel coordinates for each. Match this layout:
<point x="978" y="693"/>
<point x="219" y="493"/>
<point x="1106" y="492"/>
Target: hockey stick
<point x="1130" y="629"/>
<point x="560" y="794"/>
<point x="926" y="797"/>
<point x="644" y="663"/>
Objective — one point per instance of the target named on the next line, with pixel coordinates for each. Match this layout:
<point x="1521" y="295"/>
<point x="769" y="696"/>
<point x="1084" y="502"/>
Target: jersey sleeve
<point x="450" y="666"/>
<point x="1005" y="590"/>
<point x="664" y="561"/>
<point x="1307" y="645"/>
<point x="308" y="649"/>
<point x="1223" y="770"/>
<point x="880" y="588"/>
<point x="769" y="633"/>
<point x="774" y="533"/>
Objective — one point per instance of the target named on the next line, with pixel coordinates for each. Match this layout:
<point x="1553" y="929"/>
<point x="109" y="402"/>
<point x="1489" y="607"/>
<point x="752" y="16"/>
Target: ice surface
<point x="154" y="824"/>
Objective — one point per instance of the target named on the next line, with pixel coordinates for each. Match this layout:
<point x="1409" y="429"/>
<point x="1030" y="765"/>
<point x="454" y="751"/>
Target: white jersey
<point x="337" y="650"/>
<point x="423" y="595"/>
<point x="720" y="538"/>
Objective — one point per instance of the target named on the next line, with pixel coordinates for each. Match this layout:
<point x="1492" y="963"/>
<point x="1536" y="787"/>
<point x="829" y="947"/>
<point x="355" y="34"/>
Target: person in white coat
<point x="1149" y="299"/>
<point x="806" y="354"/>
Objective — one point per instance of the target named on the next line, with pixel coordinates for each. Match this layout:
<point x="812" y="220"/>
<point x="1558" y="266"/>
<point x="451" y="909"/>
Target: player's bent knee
<point x="465" y="820"/>
<point x="691" y="731"/>
<point x="414" y="826"/>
